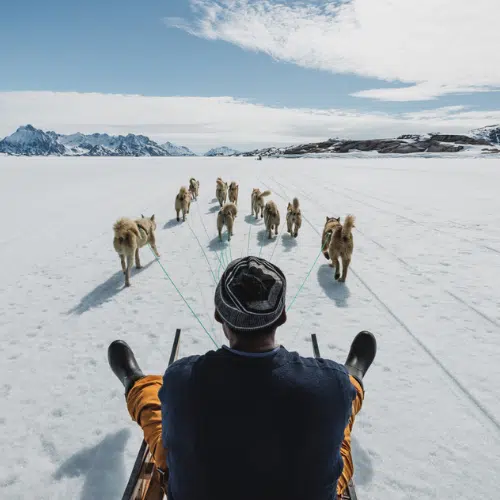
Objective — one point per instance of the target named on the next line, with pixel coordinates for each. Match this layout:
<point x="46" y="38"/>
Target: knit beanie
<point x="250" y="294"/>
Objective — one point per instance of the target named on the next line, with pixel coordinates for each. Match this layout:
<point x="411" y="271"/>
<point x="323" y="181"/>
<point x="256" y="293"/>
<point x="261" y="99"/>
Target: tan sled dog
<point x="226" y="217"/>
<point x="342" y="245"/>
<point x="330" y="224"/>
<point x="271" y="218"/>
<point x="258" y="202"/>
<point x="221" y="191"/>
<point x="233" y="192"/>
<point x="182" y="202"/>
<point x="194" y="188"/>
<point x="293" y="217"/>
<point x="130" y="235"/>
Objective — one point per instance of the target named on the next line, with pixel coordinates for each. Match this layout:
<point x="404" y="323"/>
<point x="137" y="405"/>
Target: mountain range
<point x="30" y="141"/>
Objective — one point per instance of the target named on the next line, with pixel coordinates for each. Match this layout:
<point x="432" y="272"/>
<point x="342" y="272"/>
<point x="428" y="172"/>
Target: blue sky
<point x="130" y="47"/>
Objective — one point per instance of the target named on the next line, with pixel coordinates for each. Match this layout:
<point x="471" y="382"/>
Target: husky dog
<point x="221" y="191"/>
<point x="226" y="217"/>
<point x="293" y="217"/>
<point x="342" y="245"/>
<point x="130" y="235"/>
<point x="194" y="188"/>
<point x="258" y="202"/>
<point x="182" y="202"/>
<point x="330" y="224"/>
<point x="271" y="218"/>
<point x="233" y="192"/>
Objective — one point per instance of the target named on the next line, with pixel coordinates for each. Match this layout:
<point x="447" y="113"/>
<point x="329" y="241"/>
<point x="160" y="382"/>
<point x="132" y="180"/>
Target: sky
<point x="249" y="73"/>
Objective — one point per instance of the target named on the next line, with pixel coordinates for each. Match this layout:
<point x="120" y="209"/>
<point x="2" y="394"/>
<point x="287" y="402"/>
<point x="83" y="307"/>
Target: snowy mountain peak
<point x="490" y="133"/>
<point x="221" y="151"/>
<point x="28" y="140"/>
<point x="175" y="150"/>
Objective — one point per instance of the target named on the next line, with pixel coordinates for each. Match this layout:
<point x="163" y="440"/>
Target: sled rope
<point x="307" y="275"/>
<point x="182" y="296"/>
<point x="205" y="228"/>
<point x="218" y="271"/>
<point x="203" y="250"/>
<point x="243" y="247"/>
<point x="261" y="247"/>
<point x="200" y="288"/>
<point x="276" y="242"/>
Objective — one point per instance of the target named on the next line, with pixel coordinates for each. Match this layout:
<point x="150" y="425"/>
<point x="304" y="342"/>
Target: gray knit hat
<point x="250" y="294"/>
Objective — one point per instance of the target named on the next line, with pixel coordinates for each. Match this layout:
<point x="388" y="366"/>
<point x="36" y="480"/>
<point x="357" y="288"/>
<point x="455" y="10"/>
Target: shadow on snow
<point x="102" y="465"/>
<point x="106" y="291"/>
<point x="339" y="292"/>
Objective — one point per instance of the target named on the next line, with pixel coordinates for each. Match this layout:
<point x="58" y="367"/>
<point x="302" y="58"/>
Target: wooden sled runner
<point x="146" y="482"/>
<point x="350" y="492"/>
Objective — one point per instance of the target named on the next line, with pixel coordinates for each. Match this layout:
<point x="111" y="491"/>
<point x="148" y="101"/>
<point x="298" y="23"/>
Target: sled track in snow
<point x="409" y="219"/>
<point x="412" y="268"/>
<point x="495" y="250"/>
<point x="476" y="403"/>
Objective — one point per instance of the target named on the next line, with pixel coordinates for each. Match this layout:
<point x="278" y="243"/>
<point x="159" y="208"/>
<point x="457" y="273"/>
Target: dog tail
<point x="220" y="182"/>
<point x="265" y="193"/>
<point x="125" y="229"/>
<point x="295" y="203"/>
<point x="347" y="226"/>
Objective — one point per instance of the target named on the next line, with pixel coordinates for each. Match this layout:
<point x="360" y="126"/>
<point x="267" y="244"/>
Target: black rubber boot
<point x="122" y="361"/>
<point x="361" y="355"/>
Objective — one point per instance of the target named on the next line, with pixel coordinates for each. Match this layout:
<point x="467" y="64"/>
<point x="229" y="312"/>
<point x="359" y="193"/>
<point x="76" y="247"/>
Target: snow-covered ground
<point x="425" y="278"/>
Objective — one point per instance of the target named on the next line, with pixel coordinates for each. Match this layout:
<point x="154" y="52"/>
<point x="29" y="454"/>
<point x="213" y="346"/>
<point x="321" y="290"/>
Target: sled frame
<point x="146" y="481"/>
<point x="350" y="492"/>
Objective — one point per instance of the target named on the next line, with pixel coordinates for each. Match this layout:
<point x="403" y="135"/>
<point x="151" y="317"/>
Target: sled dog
<point x="182" y="202"/>
<point x="194" y="188"/>
<point x="258" y="202"/>
<point x="130" y="235"/>
<point x="226" y="217"/>
<point x="271" y="218"/>
<point x="233" y="192"/>
<point x="293" y="217"/>
<point x="330" y="224"/>
<point x="221" y="191"/>
<point x="341" y="246"/>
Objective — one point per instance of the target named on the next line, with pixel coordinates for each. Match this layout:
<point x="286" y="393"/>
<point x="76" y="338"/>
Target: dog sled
<point x="147" y="482"/>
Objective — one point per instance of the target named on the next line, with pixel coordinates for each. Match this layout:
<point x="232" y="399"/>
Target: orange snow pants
<point x="145" y="408"/>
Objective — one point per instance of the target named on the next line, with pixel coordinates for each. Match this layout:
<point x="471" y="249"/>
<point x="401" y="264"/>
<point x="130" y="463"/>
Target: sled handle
<point x="315" y="345"/>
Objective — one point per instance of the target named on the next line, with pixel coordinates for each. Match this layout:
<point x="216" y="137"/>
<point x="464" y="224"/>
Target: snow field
<point x="423" y="279"/>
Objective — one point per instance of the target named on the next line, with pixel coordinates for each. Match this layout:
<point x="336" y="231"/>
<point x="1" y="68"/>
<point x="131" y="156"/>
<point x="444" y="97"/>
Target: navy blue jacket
<point x="242" y="426"/>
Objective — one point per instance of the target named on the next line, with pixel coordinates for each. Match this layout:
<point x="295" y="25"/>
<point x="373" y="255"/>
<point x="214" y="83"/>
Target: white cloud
<point x="420" y="92"/>
<point x="437" y="46"/>
<point x="205" y="122"/>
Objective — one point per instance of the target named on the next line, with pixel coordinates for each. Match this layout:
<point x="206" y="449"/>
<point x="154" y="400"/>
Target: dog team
<point x="336" y="241"/>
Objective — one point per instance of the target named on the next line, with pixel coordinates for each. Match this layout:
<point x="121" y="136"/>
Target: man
<point x="251" y="421"/>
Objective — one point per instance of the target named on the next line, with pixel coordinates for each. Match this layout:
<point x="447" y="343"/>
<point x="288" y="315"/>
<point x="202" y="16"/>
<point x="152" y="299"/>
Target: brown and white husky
<point x="341" y="247"/>
<point x="182" y="202"/>
<point x="129" y="236"/>
<point x="258" y="202"/>
<point x="226" y="217"/>
<point x="293" y="217"/>
<point x="271" y="218"/>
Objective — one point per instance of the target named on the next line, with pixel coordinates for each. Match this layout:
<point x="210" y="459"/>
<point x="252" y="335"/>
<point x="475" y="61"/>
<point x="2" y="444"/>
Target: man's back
<point x="244" y="427"/>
